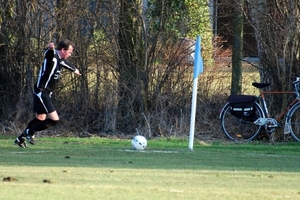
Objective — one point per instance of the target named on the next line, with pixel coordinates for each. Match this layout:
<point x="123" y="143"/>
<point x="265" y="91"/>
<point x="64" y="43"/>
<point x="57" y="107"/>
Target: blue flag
<point x="198" y="61"/>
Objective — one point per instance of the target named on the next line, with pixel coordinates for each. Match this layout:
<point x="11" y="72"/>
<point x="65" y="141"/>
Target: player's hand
<point x="51" y="45"/>
<point x="77" y="72"/>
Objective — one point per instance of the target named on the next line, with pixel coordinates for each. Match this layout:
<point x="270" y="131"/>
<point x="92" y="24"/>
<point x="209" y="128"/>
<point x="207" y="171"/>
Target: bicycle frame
<point x="288" y="107"/>
<point x="285" y="116"/>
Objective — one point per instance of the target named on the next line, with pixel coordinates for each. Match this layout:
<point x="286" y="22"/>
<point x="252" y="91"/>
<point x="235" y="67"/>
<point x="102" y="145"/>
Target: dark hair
<point x="64" y="44"/>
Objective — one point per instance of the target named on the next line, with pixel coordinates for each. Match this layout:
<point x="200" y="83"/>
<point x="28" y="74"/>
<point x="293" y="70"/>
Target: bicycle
<point x="248" y="127"/>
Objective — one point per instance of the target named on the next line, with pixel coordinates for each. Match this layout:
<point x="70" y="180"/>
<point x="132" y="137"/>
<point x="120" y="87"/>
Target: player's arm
<point x="66" y="64"/>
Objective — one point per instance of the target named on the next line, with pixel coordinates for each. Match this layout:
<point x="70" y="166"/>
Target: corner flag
<point x="198" y="68"/>
<point x="198" y="61"/>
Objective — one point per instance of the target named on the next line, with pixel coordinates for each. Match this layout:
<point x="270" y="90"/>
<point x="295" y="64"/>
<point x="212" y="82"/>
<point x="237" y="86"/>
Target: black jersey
<point x="51" y="69"/>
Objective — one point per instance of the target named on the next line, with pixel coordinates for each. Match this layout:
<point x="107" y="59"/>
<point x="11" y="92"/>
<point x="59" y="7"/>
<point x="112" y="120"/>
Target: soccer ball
<point x="139" y="142"/>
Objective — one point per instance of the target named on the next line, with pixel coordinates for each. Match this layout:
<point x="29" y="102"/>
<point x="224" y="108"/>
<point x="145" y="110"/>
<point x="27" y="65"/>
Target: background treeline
<point x="137" y="69"/>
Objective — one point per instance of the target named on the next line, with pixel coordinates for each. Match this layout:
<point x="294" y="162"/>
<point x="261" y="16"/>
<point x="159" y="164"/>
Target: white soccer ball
<point x="139" y="142"/>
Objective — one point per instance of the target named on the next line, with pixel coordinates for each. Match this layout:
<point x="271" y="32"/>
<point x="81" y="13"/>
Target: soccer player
<point x="49" y="74"/>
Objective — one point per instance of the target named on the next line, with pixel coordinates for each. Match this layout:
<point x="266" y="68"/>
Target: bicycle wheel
<point x="242" y="129"/>
<point x="293" y="119"/>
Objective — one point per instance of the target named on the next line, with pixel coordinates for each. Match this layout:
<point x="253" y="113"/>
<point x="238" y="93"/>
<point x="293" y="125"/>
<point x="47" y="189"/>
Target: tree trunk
<point x="130" y="105"/>
<point x="237" y="48"/>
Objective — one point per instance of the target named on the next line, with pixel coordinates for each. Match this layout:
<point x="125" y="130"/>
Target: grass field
<point x="98" y="168"/>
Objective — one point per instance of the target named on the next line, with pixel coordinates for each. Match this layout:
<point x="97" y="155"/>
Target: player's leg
<point x="38" y="106"/>
<point x="20" y="140"/>
<point x="42" y="124"/>
<point x="45" y="123"/>
<point x="43" y="107"/>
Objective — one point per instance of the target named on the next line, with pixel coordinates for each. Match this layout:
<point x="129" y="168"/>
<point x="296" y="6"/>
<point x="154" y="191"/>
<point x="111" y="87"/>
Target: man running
<point x="49" y="75"/>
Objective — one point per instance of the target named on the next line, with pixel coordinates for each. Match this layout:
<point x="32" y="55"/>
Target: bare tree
<point x="276" y="25"/>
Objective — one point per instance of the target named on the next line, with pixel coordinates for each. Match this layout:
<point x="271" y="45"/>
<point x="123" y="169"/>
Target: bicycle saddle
<point x="260" y="85"/>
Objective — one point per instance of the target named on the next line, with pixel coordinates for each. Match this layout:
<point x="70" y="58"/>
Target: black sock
<point x="43" y="125"/>
<point x="38" y="125"/>
<point x="30" y="125"/>
<point x="33" y="123"/>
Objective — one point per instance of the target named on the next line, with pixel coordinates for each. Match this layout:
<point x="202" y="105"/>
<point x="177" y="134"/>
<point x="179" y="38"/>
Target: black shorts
<point x="42" y="103"/>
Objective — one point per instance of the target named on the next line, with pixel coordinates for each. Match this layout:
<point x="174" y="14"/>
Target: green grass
<point x="100" y="168"/>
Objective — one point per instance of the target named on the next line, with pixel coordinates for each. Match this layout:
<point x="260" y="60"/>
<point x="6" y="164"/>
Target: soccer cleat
<point x="21" y="143"/>
<point x="30" y="138"/>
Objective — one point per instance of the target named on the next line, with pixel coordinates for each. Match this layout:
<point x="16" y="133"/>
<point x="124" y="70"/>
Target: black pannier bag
<point x="242" y="105"/>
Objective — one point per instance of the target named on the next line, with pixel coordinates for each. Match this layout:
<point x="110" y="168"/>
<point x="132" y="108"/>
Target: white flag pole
<point x="198" y="68"/>
<point x="193" y="114"/>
